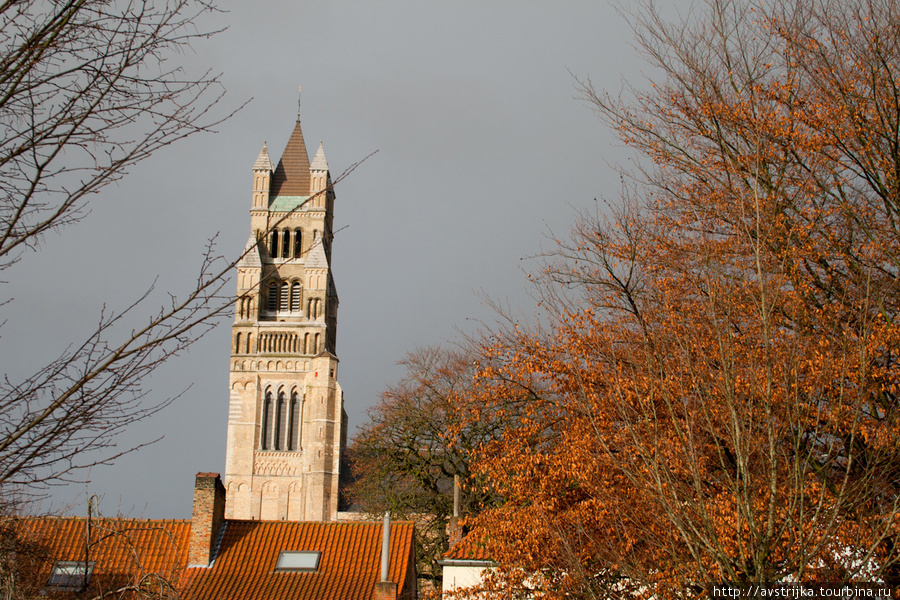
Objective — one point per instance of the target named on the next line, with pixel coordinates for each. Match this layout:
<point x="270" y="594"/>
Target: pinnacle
<point x="316" y="259"/>
<point x="262" y="161"/>
<point x="319" y="163"/>
<point x="251" y="256"/>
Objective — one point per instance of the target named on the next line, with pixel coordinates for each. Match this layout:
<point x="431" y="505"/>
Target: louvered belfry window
<point x="272" y="303"/>
<point x="295" y="296"/>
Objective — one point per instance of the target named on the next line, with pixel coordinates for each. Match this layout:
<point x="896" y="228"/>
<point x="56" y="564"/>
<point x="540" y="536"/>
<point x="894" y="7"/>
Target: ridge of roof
<point x="52" y="518"/>
<point x="291" y="177"/>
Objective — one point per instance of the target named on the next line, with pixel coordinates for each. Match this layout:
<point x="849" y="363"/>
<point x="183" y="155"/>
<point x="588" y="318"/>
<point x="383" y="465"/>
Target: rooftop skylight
<point x="298" y="561"/>
<point x="70" y="574"/>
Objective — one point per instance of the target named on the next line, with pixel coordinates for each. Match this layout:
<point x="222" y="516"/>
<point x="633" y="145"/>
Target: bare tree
<point x="88" y="88"/>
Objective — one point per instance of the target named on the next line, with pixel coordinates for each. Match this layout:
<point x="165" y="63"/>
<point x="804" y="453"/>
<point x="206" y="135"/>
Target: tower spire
<point x="286" y="424"/>
<point x="291" y="176"/>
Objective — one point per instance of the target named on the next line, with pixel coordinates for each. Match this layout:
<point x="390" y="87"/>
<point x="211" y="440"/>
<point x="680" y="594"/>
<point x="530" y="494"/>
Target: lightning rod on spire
<point x="299" y="90"/>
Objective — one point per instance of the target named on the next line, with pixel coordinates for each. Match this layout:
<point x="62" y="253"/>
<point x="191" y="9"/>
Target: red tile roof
<point x="124" y="550"/>
<point x="468" y="548"/>
<point x="291" y="177"/>
<point x="349" y="567"/>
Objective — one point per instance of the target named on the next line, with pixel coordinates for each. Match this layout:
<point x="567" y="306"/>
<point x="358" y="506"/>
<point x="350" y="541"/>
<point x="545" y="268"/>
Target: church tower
<point x="286" y="422"/>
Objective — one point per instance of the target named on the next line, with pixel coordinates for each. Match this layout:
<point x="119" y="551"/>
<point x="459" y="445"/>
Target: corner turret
<point x="262" y="179"/>
<point x="318" y="171"/>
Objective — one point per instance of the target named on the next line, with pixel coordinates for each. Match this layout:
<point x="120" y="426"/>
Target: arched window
<point x="272" y="303"/>
<point x="237" y="343"/>
<point x="266" y="421"/>
<point x="286" y="244"/>
<point x="293" y="422"/>
<point x="298" y="246"/>
<point x="284" y="298"/>
<point x="295" y="296"/>
<point x="317" y="349"/>
<point x="279" y="421"/>
<point x="273" y="248"/>
<point x="306" y="344"/>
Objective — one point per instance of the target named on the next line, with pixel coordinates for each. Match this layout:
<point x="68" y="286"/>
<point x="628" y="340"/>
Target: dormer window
<point x="70" y="574"/>
<point x="290" y="561"/>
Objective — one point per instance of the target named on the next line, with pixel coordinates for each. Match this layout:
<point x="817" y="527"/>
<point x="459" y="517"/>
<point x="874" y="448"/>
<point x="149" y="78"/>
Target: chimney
<point x="385" y="589"/>
<point x="207" y="518"/>
<point x="454" y="531"/>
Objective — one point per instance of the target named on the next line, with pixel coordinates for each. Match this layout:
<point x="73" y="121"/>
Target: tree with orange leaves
<point x="715" y="397"/>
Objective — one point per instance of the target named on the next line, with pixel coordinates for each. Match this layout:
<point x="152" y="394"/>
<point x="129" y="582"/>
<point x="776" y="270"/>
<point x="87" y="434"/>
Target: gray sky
<point x="482" y="148"/>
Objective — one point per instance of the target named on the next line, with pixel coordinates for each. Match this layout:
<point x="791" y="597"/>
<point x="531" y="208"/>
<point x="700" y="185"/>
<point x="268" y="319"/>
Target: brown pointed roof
<point x="291" y="176"/>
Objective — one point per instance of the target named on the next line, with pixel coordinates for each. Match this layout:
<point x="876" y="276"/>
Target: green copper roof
<point x="286" y="203"/>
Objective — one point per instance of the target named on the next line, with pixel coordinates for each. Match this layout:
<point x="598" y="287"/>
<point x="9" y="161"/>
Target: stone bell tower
<point x="286" y="422"/>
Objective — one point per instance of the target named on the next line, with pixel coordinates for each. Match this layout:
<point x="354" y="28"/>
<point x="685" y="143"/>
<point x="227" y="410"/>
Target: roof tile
<point x="122" y="550"/>
<point x="469" y="548"/>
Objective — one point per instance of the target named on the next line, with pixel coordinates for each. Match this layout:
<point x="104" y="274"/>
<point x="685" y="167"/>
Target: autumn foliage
<point x="405" y="459"/>
<point x="713" y="394"/>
